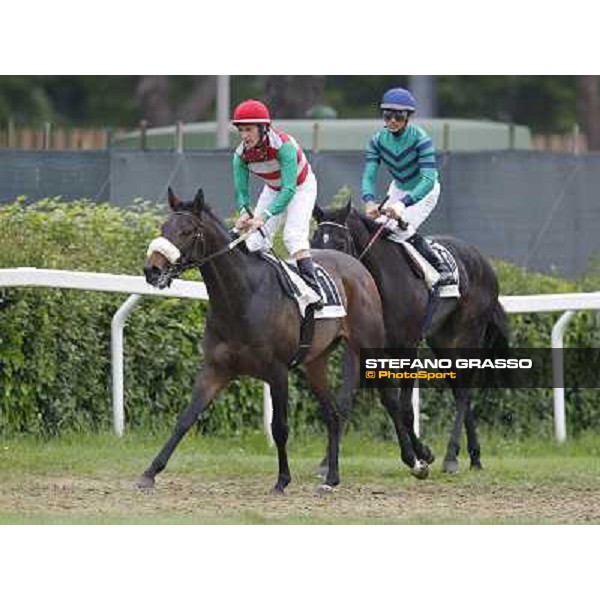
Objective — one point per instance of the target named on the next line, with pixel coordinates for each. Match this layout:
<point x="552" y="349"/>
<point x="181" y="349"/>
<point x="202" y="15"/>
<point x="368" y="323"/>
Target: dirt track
<point x="227" y="500"/>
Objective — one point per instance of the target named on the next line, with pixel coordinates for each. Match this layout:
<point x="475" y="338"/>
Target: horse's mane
<point x="369" y="224"/>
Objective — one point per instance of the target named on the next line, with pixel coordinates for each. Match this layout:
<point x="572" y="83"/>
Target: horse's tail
<point x="497" y="331"/>
<point x="496" y="345"/>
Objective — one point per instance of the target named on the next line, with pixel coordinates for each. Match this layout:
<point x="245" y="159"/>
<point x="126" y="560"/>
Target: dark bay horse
<point x="253" y="327"/>
<point x="475" y="320"/>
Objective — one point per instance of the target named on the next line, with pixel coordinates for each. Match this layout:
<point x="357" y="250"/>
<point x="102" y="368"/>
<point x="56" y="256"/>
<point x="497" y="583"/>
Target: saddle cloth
<point x="429" y="273"/>
<point x="303" y="294"/>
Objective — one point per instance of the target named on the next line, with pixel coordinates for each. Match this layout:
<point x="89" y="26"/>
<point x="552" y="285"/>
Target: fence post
<point x="512" y="136"/>
<point x="47" y="135"/>
<point x="223" y="101"/>
<point x="109" y="137"/>
<point x="267" y="413"/>
<point x="118" y="324"/>
<point x="12" y="134"/>
<point x="143" y="140"/>
<point x="575" y="135"/>
<point x="558" y="370"/>
<point x="446" y="137"/>
<point x="315" y="137"/>
<point x="179" y="137"/>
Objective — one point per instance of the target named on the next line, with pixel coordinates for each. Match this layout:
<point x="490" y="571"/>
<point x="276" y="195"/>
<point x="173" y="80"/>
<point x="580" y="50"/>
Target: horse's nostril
<point x="151" y="274"/>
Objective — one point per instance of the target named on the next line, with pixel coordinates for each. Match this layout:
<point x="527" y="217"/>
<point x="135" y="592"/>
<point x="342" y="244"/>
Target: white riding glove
<point x="390" y="224"/>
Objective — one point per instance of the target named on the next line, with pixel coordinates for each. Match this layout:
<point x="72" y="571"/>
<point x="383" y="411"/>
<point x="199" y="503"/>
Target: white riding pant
<point x="413" y="215"/>
<point x="296" y="216"/>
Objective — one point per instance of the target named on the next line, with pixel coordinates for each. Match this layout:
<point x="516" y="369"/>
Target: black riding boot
<point x="306" y="268"/>
<point x="431" y="256"/>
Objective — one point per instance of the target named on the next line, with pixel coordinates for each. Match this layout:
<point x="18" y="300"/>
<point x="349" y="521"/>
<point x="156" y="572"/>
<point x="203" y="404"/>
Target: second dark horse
<point x="475" y="320"/>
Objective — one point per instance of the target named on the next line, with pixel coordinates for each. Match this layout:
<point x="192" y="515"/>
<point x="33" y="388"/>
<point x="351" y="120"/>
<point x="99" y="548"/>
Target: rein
<point x="179" y="267"/>
<point x="401" y="223"/>
<point x="373" y="239"/>
<point x="345" y="228"/>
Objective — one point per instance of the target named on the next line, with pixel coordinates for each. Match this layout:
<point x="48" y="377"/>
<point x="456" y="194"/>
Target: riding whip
<point x="401" y="223"/>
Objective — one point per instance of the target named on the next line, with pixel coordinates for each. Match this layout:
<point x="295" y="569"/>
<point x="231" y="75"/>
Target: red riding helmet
<point x="251" y="111"/>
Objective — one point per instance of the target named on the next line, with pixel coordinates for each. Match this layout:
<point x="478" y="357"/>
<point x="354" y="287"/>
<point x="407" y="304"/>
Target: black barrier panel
<point x="537" y="209"/>
<point x="43" y="174"/>
<point x="475" y="368"/>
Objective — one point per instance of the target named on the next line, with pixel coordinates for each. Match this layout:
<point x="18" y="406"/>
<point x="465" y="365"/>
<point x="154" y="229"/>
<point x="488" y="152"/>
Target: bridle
<point x="191" y="248"/>
<point x="346" y="229"/>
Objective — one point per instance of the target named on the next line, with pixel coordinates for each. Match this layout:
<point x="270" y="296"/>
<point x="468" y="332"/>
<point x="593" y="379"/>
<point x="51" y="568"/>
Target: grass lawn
<point x="91" y="479"/>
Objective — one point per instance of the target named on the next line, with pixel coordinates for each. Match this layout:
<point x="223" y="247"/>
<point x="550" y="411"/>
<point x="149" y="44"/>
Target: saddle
<point x="298" y="290"/>
<point x="425" y="271"/>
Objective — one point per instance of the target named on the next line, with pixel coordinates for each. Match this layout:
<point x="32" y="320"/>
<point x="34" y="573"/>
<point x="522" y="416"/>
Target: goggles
<point x="396" y="115"/>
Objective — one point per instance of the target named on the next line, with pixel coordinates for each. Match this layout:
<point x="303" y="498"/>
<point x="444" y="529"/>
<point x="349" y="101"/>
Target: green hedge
<point x="55" y="344"/>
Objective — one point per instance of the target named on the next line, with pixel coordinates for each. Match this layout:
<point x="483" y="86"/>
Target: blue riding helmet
<point x="398" y="99"/>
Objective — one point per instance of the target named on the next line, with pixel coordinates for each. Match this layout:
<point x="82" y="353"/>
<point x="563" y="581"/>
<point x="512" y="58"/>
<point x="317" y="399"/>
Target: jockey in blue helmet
<point x="409" y="156"/>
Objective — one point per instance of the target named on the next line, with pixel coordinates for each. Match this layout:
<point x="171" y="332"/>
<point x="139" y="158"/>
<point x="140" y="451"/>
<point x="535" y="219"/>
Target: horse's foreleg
<point x="279" y="427"/>
<point x="422" y="451"/>
<point x="208" y="383"/>
<point x="451" y="459"/>
<point x="392" y="404"/>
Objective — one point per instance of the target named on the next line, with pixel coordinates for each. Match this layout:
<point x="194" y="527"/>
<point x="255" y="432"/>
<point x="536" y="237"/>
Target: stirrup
<point x="318" y="304"/>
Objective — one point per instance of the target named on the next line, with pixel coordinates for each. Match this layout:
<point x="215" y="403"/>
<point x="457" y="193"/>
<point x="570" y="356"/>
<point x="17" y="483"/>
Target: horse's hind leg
<point x="463" y="407"/>
<point x="316" y="376"/>
<point x="346" y="395"/>
<point x="472" y="441"/>
<point x="208" y="383"/>
<point x="462" y="403"/>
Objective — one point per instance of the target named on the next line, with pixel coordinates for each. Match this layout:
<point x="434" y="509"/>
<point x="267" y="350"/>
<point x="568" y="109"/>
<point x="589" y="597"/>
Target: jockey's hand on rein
<point x="395" y="210"/>
<point x="371" y="210"/>
<point x="254" y="223"/>
<point x="242" y="223"/>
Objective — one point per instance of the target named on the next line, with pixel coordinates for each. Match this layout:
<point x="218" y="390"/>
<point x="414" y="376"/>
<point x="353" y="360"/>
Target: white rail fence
<point x="568" y="304"/>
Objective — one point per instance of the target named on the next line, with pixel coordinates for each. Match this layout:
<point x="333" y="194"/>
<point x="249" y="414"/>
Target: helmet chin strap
<point x="263" y="128"/>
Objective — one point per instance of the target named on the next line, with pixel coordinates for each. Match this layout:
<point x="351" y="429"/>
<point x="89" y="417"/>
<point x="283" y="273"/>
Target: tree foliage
<point x="545" y="103"/>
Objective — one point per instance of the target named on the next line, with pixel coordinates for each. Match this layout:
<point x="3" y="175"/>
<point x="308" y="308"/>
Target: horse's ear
<point x="318" y="213"/>
<point x="174" y="201"/>
<point x="346" y="210"/>
<point x="198" y="204"/>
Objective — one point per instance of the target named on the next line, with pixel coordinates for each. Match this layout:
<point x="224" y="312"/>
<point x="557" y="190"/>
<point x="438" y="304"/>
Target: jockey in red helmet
<point x="290" y="187"/>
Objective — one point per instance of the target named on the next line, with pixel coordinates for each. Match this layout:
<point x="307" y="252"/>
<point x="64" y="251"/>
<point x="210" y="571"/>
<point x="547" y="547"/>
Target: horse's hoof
<point x="323" y="489"/>
<point x="277" y="490"/>
<point x="428" y="456"/>
<point x="420" y="470"/>
<point x="450" y="467"/>
<point x="476" y="466"/>
<point x="145" y="483"/>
